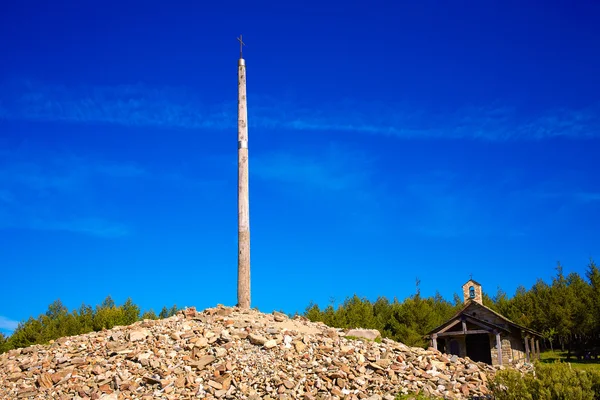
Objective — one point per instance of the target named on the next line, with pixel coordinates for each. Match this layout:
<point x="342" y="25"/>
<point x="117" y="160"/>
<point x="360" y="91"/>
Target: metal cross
<point x="241" y="44"/>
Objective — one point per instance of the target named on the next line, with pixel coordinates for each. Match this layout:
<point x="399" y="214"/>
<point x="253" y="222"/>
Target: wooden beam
<point x="499" y="348"/>
<point x="537" y="345"/>
<point x="464" y="326"/>
<point x="481" y="324"/>
<point x="527" y="348"/>
<point x="243" y="201"/>
<point x="475" y="322"/>
<point x="461" y="333"/>
<point x="434" y="340"/>
<point x="449" y="326"/>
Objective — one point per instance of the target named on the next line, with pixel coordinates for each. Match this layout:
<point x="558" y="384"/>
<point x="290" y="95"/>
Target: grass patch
<point x="551" y="381"/>
<point x="419" y="396"/>
<point x="550" y="357"/>
<point x="376" y="340"/>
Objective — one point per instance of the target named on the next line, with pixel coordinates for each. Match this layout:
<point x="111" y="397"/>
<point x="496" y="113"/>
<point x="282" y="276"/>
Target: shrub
<point x="419" y="396"/>
<point x="556" y="381"/>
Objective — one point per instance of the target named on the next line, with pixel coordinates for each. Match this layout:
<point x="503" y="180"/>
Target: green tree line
<point x="58" y="322"/>
<point x="565" y="310"/>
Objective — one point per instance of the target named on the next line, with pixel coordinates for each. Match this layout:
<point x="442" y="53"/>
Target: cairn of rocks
<point x="230" y="353"/>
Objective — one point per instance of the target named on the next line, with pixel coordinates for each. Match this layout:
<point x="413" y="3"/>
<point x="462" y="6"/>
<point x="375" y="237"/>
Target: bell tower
<point x="472" y="292"/>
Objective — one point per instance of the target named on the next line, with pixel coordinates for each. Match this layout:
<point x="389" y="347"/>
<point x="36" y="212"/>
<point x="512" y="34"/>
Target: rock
<point x="482" y="376"/>
<point x="288" y="384"/>
<point x="383" y="363"/>
<point x="220" y="351"/>
<point x="190" y="312"/>
<point x="228" y="353"/>
<point x="151" y="380"/>
<point x="370" y="334"/>
<point x="215" y="385"/>
<point x="138" y="335"/>
<point x="203" y="362"/>
<point x="299" y="346"/>
<point x="45" y="380"/>
<point x="279" y="317"/>
<point x="257" y="339"/>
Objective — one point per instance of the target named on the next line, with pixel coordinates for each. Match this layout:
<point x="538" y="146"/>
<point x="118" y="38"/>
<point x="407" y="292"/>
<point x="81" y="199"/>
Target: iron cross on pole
<point x="241" y="45"/>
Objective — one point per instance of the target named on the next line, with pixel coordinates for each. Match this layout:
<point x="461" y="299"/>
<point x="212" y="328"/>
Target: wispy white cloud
<point x="88" y="226"/>
<point x="335" y="169"/>
<point x="55" y="192"/>
<point x="44" y="190"/>
<point x="588" y="197"/>
<point x="129" y="105"/>
<point x="481" y="123"/>
<point x="8" y="324"/>
<point x="141" y="105"/>
<point x="62" y="173"/>
<point x="28" y="219"/>
<point x="6" y="197"/>
<point x="570" y="188"/>
<point x="334" y="181"/>
<point x="119" y="170"/>
<point x="436" y="205"/>
<point x="443" y="204"/>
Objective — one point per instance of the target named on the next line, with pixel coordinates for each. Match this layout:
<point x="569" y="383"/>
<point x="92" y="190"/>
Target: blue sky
<point x="388" y="141"/>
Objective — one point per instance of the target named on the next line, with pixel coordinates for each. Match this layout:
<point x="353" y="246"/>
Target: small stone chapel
<point x="480" y="333"/>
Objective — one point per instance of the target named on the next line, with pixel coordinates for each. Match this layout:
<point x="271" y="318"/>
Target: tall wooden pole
<point x="243" y="201"/>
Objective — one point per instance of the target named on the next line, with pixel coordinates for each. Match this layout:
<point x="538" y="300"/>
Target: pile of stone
<point x="226" y="353"/>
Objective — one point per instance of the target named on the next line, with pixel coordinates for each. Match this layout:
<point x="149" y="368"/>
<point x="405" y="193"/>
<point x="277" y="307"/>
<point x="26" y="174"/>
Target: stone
<point x="482" y="376"/>
<point x="279" y="317"/>
<point x="138" y="334"/>
<point x="370" y="334"/>
<point x="383" y="363"/>
<point x="299" y="346"/>
<point x="151" y="380"/>
<point x="180" y="382"/>
<point x="257" y="339"/>
<point x="45" y="380"/>
<point x="203" y="361"/>
<point x="288" y="384"/>
<point x="220" y="351"/>
<point x="228" y="353"/>
<point x="215" y="384"/>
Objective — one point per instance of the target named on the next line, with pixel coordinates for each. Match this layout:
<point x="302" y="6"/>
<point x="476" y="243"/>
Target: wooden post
<point x="537" y="346"/>
<point x="243" y="200"/>
<point x="434" y="341"/>
<point x="527" y="348"/>
<point x="499" y="348"/>
<point x="533" y="352"/>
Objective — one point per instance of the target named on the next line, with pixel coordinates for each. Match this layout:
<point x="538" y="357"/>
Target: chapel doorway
<point x="478" y="348"/>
